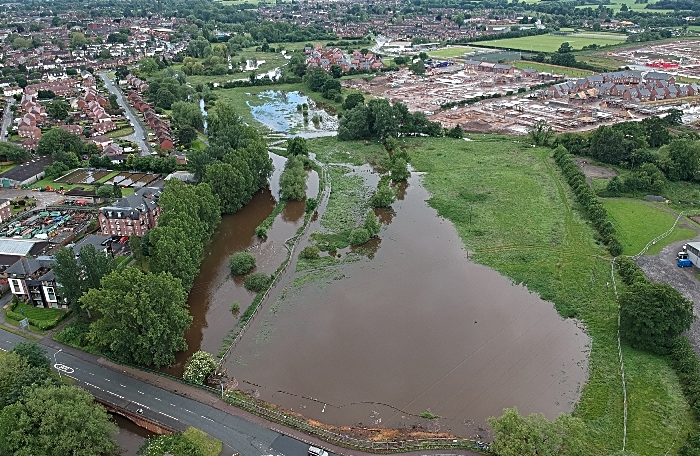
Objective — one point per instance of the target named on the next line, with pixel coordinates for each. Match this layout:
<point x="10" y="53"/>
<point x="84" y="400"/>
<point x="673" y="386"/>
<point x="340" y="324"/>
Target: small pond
<point x="279" y="111"/>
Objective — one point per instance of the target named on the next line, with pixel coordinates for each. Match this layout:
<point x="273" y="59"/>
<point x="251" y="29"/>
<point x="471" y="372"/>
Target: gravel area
<point x="43" y="198"/>
<point x="662" y="268"/>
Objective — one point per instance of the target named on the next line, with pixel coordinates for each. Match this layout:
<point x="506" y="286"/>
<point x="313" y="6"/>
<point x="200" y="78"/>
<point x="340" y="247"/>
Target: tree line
<point x="378" y="119"/>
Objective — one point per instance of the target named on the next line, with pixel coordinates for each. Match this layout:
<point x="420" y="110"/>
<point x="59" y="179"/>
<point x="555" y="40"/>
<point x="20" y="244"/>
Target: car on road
<point x="314" y="451"/>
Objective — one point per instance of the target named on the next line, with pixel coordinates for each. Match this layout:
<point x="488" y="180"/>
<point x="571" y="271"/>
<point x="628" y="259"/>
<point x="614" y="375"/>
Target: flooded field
<point x="417" y="328"/>
<point x="279" y="111"/>
<point x="214" y="289"/>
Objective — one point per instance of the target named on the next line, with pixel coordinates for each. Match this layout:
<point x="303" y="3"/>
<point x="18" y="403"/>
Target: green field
<point x="550" y="43"/>
<point x="450" y="52"/>
<point x="554" y="69"/>
<point x="615" y="5"/>
<point x="638" y="222"/>
<point x="525" y="226"/>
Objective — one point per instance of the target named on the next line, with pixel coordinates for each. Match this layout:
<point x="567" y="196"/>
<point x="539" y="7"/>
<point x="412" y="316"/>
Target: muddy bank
<point x="418" y="328"/>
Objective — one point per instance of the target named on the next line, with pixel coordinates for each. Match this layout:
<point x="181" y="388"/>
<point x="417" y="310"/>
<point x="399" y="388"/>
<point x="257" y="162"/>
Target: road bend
<point x="247" y="434"/>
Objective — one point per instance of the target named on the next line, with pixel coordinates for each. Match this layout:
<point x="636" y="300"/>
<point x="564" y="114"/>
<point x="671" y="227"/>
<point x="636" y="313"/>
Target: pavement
<point x="139" y="130"/>
<point x="169" y="399"/>
<point x="6" y="118"/>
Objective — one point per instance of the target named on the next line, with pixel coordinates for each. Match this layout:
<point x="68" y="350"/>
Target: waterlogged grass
<point x="356" y="153"/>
<point x="523" y="224"/>
<point x="638" y="222"/>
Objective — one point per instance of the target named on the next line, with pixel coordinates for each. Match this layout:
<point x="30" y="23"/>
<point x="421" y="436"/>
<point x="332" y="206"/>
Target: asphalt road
<point x="6" y="118"/>
<point x="247" y="438"/>
<point x="139" y="131"/>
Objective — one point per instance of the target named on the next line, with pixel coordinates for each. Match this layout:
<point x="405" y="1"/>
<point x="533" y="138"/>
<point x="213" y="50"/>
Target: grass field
<point x="555" y="69"/>
<point x="450" y="52"/>
<point x="550" y="43"/>
<point x="120" y="132"/>
<point x="638" y="222"/>
<point x="615" y="5"/>
<point x="525" y="226"/>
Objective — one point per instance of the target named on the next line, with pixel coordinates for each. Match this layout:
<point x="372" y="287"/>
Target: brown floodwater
<point x="214" y="290"/>
<point x="418" y="327"/>
<point x="131" y="436"/>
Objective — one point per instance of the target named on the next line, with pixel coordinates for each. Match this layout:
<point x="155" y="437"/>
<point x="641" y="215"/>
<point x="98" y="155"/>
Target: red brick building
<point x="134" y="214"/>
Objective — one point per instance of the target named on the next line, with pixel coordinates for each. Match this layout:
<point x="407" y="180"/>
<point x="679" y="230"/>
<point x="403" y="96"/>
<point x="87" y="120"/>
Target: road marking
<point x="156" y="398"/>
<point x="91" y="373"/>
<point x="115" y="394"/>
<point x="139" y="392"/>
<point x="173" y="405"/>
<point x="172" y="417"/>
<point x="108" y="379"/>
<point x="207" y="418"/>
<point x="123" y="386"/>
<point x="188" y="411"/>
<point x="94" y="386"/>
<point x="141" y="405"/>
<point x="63" y="368"/>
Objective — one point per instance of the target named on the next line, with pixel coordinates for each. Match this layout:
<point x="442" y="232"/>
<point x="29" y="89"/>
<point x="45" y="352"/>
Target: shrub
<point x="359" y="236"/>
<point x="399" y="170"/>
<point x="257" y="282"/>
<point x="199" y="366"/>
<point x="235" y="307"/>
<point x="309" y="252"/>
<point x="372" y="224"/>
<point x="242" y="262"/>
<point x="311" y="204"/>
<point x="384" y="195"/>
<point x="261" y="232"/>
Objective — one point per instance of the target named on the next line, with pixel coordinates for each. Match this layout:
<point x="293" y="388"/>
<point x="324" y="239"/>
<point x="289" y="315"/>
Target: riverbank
<point x="512" y="210"/>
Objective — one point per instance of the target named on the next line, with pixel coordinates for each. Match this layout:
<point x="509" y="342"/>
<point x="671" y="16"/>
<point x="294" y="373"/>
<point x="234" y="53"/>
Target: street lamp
<point x="55" y="362"/>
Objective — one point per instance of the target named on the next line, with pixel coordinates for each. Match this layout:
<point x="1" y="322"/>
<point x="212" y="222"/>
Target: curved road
<point x="139" y="130"/>
<point x="248" y="434"/>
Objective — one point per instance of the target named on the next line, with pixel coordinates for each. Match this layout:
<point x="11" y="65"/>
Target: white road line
<point x="172" y="417"/>
<point x="141" y="405"/>
<point x="115" y="394"/>
<point x="123" y="386"/>
<point x="94" y="386"/>
<point x="173" y="405"/>
<point x="91" y="373"/>
<point x="207" y="418"/>
<point x="108" y="379"/>
<point x="156" y="398"/>
<point x="188" y="411"/>
<point x="139" y="392"/>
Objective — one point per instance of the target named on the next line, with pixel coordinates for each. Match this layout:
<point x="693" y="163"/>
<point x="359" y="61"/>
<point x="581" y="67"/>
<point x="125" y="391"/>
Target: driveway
<point x="139" y="130"/>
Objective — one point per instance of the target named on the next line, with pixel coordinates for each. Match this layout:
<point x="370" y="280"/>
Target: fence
<point x="659" y="237"/>
<point x="290" y="244"/>
<point x="622" y="364"/>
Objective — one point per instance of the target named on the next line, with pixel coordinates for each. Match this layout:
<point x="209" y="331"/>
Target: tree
<point x="13" y="152"/>
<point x="104" y="191"/>
<point x="359" y="236"/>
<point x="455" y="132"/>
<point x="143" y="316"/>
<point x="172" y="444"/>
<point x="516" y="435"/>
<point x="242" y="263"/>
<point x="68" y="274"/>
<point x="674" y="117"/>
<point x="94" y="265"/>
<point x="565" y="48"/>
<point x="691" y="447"/>
<point x="372" y="224"/>
<point x="297" y="146"/>
<point x="116" y="191"/>
<point x="229" y="185"/>
<point x="199" y="366"/>
<point x="186" y="135"/>
<point x="399" y="170"/>
<point x="77" y="426"/>
<point x="164" y="98"/>
<point x="653" y="315"/>
<point x="541" y="132"/>
<point x="684" y="155"/>
<point x="336" y="71"/>
<point x="65" y="146"/>
<point x="148" y="65"/>
<point x="384" y="195"/>
<point x="257" y="282"/>
<point x="33" y="354"/>
<point x="186" y="113"/>
<point x="293" y="180"/>
<point x="353" y="99"/>
<point x="197" y="162"/>
<point x="77" y="40"/>
<point x="417" y="67"/>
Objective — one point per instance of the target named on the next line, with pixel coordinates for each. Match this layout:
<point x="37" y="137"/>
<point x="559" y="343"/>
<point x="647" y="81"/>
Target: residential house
<point x="132" y="215"/>
<point x="32" y="281"/>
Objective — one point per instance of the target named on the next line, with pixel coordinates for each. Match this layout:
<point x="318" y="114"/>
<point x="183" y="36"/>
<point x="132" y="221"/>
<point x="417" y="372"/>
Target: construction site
<point x="679" y="58"/>
<point x="498" y="98"/>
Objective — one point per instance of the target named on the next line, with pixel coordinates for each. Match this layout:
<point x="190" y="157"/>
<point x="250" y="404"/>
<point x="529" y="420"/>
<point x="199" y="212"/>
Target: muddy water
<point x="214" y="289"/>
<point x="417" y="328"/>
<point x="130" y="436"/>
<point x="279" y="113"/>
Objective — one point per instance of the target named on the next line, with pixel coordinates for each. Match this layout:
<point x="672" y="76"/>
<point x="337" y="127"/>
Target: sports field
<point x="555" y="69"/>
<point x="615" y="5"/>
<point x="550" y="43"/>
<point x="451" y="52"/>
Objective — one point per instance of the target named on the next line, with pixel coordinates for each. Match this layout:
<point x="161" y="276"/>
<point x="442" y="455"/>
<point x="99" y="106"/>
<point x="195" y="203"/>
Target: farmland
<point x="550" y="43"/>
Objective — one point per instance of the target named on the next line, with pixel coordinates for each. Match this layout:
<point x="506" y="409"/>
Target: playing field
<point x="550" y="43"/>
<point x="554" y="69"/>
<point x="450" y="52"/>
<point x="615" y="5"/>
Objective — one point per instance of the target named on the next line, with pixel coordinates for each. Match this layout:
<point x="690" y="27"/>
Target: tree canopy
<point x="143" y="316"/>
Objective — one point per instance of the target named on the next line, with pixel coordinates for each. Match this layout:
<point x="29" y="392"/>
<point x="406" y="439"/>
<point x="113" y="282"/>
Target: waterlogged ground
<point x="278" y="111"/>
<point x="418" y="327"/>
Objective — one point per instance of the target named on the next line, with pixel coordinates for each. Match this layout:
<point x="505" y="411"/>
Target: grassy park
<point x="524" y="225"/>
<point x="638" y="222"/>
<point x="550" y="43"/>
<point x="450" y="52"/>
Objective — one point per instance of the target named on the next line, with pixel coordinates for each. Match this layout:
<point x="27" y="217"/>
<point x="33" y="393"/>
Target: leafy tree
<point x="384" y="195"/>
<point x="148" y="65"/>
<point x="186" y="113"/>
<point x="372" y="224"/>
<point x="104" y="191"/>
<point x="359" y="236"/>
<point x="64" y="146"/>
<point x="229" y="184"/>
<point x="257" y="282"/>
<point x="143" y="316"/>
<point x="691" y="447"/>
<point x="199" y="366"/>
<point x="336" y="71"/>
<point x="455" y="132"/>
<point x="33" y="354"/>
<point x="56" y="421"/>
<point x="657" y="133"/>
<point x="77" y="40"/>
<point x="653" y="315"/>
<point x="164" y="98"/>
<point x="541" y="132"/>
<point x="135" y="247"/>
<point x="197" y="162"/>
<point x="116" y="191"/>
<point x="94" y="265"/>
<point x="68" y="274"/>
<point x="310" y="252"/>
<point x="399" y="170"/>
<point x="685" y="159"/>
<point x="353" y="99"/>
<point x="297" y="146"/>
<point x="674" y="117"/>
<point x="186" y="135"/>
<point x="242" y="263"/>
<point x="293" y="180"/>
<point x="516" y="435"/>
<point x="13" y="152"/>
<point x="58" y="109"/>
<point x="417" y="67"/>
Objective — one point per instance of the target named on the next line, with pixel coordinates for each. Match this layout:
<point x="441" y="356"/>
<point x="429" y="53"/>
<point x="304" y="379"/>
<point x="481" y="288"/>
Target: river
<point x="130" y="436"/>
<point x="417" y="328"/>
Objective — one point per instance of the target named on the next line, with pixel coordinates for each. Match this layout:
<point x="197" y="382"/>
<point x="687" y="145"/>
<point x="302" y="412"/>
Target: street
<point x="139" y="131"/>
<point x="6" y="118"/>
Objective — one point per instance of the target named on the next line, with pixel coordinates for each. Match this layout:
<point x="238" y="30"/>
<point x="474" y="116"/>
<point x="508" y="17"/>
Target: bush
<point x="241" y="263"/>
<point x="691" y="447"/>
<point x="359" y="236"/>
<point x="372" y="224"/>
<point x="257" y="282"/>
<point x="384" y="195"/>
<point x="311" y="204"/>
<point x="261" y="232"/>
<point x="74" y="334"/>
<point x="309" y="252"/>
<point x="399" y="170"/>
<point x="235" y="307"/>
<point x="198" y="367"/>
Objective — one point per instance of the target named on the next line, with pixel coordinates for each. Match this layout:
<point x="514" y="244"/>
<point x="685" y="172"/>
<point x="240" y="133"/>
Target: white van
<point x="313" y="451"/>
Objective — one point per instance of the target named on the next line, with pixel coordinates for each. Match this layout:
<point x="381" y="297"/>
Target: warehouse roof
<point x="19" y="247"/>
